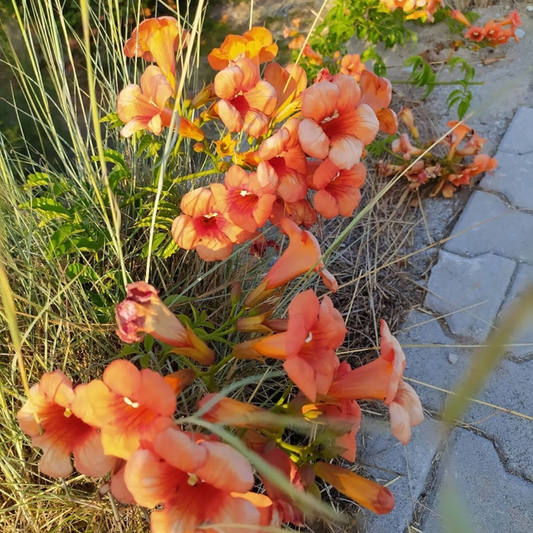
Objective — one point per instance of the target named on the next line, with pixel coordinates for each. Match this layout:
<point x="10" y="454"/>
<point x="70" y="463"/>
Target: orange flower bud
<point x="181" y="379"/>
<point x="365" y="492"/>
<point x="198" y="148"/>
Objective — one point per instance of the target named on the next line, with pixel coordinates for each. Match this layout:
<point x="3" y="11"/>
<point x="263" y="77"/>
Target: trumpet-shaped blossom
<point x="58" y="408"/>
<point x="198" y="482"/>
<point x="283" y="504"/>
<point x="476" y="34"/>
<point x="302" y="254"/>
<point x="336" y="123"/>
<point x="405" y="5"/>
<point x="315" y="330"/>
<point x="404" y="147"/>
<point x="283" y="156"/>
<point x="143" y="312"/>
<point x="144" y="107"/>
<point x="351" y="65"/>
<point x="158" y="39"/>
<point x="203" y="228"/>
<point x="376" y="92"/>
<point x="129" y="406"/>
<point x="256" y="44"/>
<point x="245" y="198"/>
<point x="365" y="492"/>
<point x="289" y="83"/>
<point x="382" y="380"/>
<point x="301" y="212"/>
<point x="459" y="17"/>
<point x="246" y="101"/>
<point x="338" y="191"/>
<point x="231" y="412"/>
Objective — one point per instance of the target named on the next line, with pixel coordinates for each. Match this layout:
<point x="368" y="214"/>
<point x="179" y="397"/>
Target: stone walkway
<point x="479" y="273"/>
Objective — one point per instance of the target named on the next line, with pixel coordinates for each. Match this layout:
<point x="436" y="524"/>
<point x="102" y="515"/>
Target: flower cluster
<point x="285" y="121"/>
<point x="447" y="172"/>
<point x="415" y="9"/>
<point x="493" y="33"/>
<point x="123" y="424"/>
<point x="290" y="153"/>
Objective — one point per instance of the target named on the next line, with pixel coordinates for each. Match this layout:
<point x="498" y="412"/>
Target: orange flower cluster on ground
<point x="449" y="171"/>
<point x="123" y="424"/>
<point x="494" y="33"/>
<point x="415" y="9"/>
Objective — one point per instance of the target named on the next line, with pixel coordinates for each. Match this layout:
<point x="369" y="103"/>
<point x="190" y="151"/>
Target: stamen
<point x="309" y="337"/>
<point x="335" y="115"/>
<point x="193" y="480"/>
<point x="245" y="193"/>
<point x="130" y="403"/>
<point x="211" y="215"/>
<point x="67" y="413"/>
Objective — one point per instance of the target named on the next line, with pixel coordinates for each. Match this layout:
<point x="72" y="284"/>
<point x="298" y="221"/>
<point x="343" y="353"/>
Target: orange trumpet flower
<point x="376" y="92"/>
<point x="302" y="254"/>
<point x="315" y="330"/>
<point x="338" y="191"/>
<point x="197" y="481"/>
<point x="246" y="101"/>
<point x="476" y="34"/>
<point x="59" y="411"/>
<point x="256" y="44"/>
<point x="144" y="107"/>
<point x="237" y="414"/>
<point x="203" y="228"/>
<point x="245" y="198"/>
<point x="283" y="156"/>
<point x="289" y="83"/>
<point x="403" y="146"/>
<point x="351" y="65"/>
<point x="382" y="380"/>
<point x="127" y="407"/>
<point x="459" y="17"/>
<point x="365" y="492"/>
<point x="143" y="311"/>
<point x="300" y="212"/>
<point x="158" y="39"/>
<point x="336" y="124"/>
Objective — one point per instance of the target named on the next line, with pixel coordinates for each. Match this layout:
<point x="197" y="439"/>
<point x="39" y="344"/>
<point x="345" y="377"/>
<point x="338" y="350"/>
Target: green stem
<point x="401" y="82"/>
<point x="195" y="175"/>
<point x="214" y="369"/>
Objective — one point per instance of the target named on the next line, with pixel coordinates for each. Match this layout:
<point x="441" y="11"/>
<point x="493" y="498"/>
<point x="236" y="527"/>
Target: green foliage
<point x="422" y="74"/>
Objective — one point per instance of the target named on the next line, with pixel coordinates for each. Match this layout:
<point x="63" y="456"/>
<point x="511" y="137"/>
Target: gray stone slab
<point x="519" y="137"/>
<point x="498" y="502"/>
<point x="428" y="351"/>
<point x="386" y="459"/>
<point x="488" y="225"/>
<point x="522" y="280"/>
<point x="509" y="387"/>
<point x="513" y="178"/>
<point x="461" y="283"/>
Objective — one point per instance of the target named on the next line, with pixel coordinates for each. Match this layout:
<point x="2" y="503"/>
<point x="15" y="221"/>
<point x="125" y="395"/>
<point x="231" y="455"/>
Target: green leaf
<point x="46" y="207"/>
<point x="39" y="179"/>
<point x="57" y="245"/>
<point x="85" y="272"/>
<point x="128" y="350"/>
<point x="148" y="343"/>
<point x="158" y="240"/>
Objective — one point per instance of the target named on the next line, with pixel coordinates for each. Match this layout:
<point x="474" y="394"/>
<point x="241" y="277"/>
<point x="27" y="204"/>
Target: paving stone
<point x="459" y="282"/>
<point x="387" y="459"/>
<point x="431" y="363"/>
<point x="498" y="229"/>
<point x="519" y="137"/>
<point x="513" y="178"/>
<point x="522" y="280"/>
<point x="498" y="502"/>
<point x="510" y="387"/>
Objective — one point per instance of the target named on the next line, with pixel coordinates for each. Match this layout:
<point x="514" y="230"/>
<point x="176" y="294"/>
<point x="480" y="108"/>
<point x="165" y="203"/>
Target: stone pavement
<point x="478" y="275"/>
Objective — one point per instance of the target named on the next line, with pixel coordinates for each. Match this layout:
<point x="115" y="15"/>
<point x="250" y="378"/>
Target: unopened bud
<point x="236" y="293"/>
<point x="198" y="148"/>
